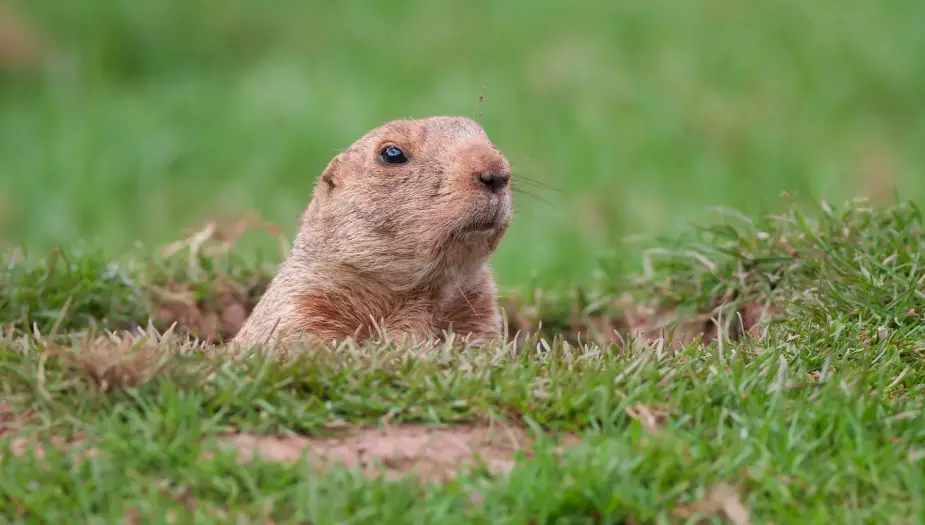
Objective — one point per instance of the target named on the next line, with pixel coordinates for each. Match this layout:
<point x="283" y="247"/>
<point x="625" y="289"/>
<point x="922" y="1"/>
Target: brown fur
<point x="390" y="247"/>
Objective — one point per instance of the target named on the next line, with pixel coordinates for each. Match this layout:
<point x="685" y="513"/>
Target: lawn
<point x="704" y="322"/>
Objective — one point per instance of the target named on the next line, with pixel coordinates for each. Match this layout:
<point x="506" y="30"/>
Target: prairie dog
<point x="397" y="236"/>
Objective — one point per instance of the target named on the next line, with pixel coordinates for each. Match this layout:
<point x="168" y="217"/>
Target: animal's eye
<point x="392" y="155"/>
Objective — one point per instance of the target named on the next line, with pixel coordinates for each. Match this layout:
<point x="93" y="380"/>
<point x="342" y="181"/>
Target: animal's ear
<point x="329" y="177"/>
<point x="326" y="182"/>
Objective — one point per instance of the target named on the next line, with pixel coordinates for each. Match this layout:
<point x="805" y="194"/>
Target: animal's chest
<point x="424" y="314"/>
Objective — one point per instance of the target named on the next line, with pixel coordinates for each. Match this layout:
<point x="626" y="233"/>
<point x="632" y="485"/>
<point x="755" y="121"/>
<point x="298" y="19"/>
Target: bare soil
<point x="431" y="453"/>
<point x="215" y="319"/>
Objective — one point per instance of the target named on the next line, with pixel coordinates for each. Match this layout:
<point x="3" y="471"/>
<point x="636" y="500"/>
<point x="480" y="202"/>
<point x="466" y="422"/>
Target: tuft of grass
<point x="74" y="289"/>
<point x="856" y="261"/>
<point x="70" y="289"/>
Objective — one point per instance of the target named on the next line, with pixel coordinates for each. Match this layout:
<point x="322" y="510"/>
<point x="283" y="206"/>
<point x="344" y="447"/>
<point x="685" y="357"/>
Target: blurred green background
<point x="134" y="120"/>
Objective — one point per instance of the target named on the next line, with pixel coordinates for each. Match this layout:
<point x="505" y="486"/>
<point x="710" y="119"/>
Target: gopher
<point x="396" y="239"/>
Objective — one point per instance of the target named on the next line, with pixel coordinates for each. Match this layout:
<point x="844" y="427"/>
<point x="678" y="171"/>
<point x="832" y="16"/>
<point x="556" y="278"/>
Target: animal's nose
<point x="494" y="181"/>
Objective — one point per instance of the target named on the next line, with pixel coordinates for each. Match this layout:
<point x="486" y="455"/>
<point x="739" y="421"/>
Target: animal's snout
<point x="494" y="180"/>
<point x="487" y="167"/>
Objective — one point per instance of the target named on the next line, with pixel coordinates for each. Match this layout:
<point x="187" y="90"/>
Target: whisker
<point x="517" y="177"/>
<point x="536" y="183"/>
<point x="552" y="206"/>
<point x="535" y="196"/>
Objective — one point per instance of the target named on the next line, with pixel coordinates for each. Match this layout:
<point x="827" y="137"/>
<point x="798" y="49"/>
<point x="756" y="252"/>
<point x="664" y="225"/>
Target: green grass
<point x="817" y="419"/>
<point x="150" y="116"/>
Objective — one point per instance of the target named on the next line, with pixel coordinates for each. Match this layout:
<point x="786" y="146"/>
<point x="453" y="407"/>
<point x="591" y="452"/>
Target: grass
<point x="635" y="117"/>
<point x="816" y="418"/>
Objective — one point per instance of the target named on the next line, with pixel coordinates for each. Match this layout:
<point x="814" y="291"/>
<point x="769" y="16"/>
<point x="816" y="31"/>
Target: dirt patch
<point x="432" y="453"/>
<point x="116" y="363"/>
<point x="213" y="319"/>
<point x="648" y="324"/>
<point x="625" y="320"/>
<point x="119" y="361"/>
<point x="221" y="315"/>
<point x="435" y="454"/>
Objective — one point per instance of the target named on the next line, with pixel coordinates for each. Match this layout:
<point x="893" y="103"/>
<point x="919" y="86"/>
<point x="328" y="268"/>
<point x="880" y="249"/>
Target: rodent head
<point x="412" y="200"/>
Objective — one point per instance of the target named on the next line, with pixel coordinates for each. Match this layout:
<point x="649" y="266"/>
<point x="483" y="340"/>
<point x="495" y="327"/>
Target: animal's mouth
<point x="490" y="220"/>
<point x="481" y="226"/>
